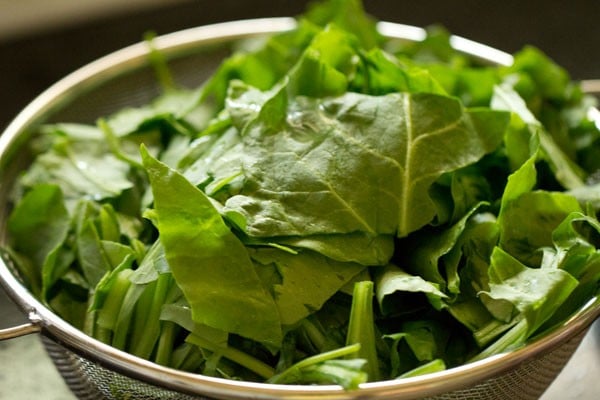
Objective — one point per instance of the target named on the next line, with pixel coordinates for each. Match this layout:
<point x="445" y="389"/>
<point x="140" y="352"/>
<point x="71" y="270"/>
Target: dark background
<point x="566" y="30"/>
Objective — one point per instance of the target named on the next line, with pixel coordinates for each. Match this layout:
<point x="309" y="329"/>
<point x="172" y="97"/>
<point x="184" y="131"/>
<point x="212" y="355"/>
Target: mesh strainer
<point x="94" y="370"/>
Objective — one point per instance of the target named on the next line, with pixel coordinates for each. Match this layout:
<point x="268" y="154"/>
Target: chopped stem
<point x="150" y="334"/>
<point x="89" y="323"/>
<point x="239" y="357"/>
<point x="510" y="339"/>
<point x="193" y="361"/>
<point x="124" y="322"/>
<point x="115" y="147"/>
<point x="107" y="314"/>
<point x="140" y="314"/>
<point x="345" y="351"/>
<point x="159" y="63"/>
<point x="432" y="366"/>
<point x="314" y="334"/>
<point x="102" y="334"/>
<point x="361" y="328"/>
<point x="165" y="343"/>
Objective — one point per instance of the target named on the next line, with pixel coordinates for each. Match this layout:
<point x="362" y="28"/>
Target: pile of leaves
<point x="332" y="207"/>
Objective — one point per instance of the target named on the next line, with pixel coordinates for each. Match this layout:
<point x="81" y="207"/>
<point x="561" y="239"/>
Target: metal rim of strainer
<point x="43" y="319"/>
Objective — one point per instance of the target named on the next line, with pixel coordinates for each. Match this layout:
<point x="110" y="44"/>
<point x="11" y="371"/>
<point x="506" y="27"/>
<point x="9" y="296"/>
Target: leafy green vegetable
<point x="218" y="278"/>
<point x="330" y="207"/>
<point x="326" y="368"/>
<point x="361" y="327"/>
<point x="308" y="279"/>
<point x="41" y="212"/>
<point x="331" y="143"/>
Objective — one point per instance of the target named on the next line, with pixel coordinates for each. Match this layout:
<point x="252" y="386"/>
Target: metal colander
<point x="94" y="370"/>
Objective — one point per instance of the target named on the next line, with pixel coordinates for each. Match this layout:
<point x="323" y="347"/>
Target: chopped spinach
<point x="328" y="208"/>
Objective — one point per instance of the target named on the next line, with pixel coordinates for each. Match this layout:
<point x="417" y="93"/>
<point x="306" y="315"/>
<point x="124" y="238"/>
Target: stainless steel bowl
<point x="94" y="370"/>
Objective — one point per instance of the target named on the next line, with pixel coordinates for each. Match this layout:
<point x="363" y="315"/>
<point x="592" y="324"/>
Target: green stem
<point x="102" y="334"/>
<point x="193" y="361"/>
<point x="159" y="63"/>
<point x="187" y="357"/>
<point x="124" y="320"/>
<point x="140" y="313"/>
<point x="143" y="348"/>
<point x="346" y="351"/>
<point x="511" y="339"/>
<point x="115" y="146"/>
<point x="90" y="319"/>
<point x="235" y="355"/>
<point x="107" y="314"/>
<point x="314" y="334"/>
<point x="361" y="327"/>
<point x="164" y="350"/>
<point x="432" y="366"/>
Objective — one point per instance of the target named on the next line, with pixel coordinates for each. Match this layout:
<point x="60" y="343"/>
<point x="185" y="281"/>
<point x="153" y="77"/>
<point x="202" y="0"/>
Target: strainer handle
<point x="19" y="330"/>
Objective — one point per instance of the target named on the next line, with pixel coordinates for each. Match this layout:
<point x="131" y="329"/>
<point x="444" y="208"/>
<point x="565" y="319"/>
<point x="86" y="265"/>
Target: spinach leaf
<point x="38" y="225"/>
<point x="329" y="207"/>
<point x="395" y="287"/>
<point x="432" y="256"/>
<point x="307" y="280"/>
<point x="533" y="291"/>
<point x="327" y="368"/>
<point x="217" y="278"/>
<point x="575" y="253"/>
<point x="335" y="148"/>
<point x="349" y="15"/>
<point x="543" y="211"/>
<point x="352" y="247"/>
<point x="380" y="73"/>
<point x="81" y="169"/>
<point x="567" y="172"/>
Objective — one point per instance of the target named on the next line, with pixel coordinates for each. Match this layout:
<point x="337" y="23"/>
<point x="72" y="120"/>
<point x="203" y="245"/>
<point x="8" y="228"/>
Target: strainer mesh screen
<point x="90" y="381"/>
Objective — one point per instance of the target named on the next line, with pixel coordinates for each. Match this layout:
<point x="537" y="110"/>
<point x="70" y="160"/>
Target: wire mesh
<point x="91" y="381"/>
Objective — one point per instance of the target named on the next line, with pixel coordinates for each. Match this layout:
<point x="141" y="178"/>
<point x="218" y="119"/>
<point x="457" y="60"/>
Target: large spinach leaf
<point x="212" y="266"/>
<point x="355" y="163"/>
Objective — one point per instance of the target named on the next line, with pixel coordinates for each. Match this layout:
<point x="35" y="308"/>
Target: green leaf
<point x="153" y="264"/>
<point x="527" y="223"/>
<point x="264" y="67"/>
<point x="352" y="247"/>
<point x="217" y="277"/>
<point x="38" y="225"/>
<point x="394" y="281"/>
<point x="348" y="15"/>
<point x="334" y="148"/>
<point x="575" y="253"/>
<point x="324" y="67"/>
<point x="550" y="79"/>
<point x="380" y="73"/>
<point x="326" y="368"/>
<point x="567" y="172"/>
<point x="90" y="253"/>
<point x="308" y="280"/>
<point x="535" y="292"/>
<point x="433" y="250"/>
<point x="349" y="374"/>
<point x="81" y="169"/>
